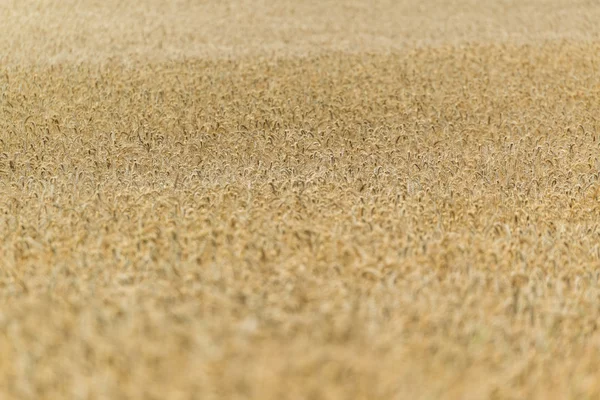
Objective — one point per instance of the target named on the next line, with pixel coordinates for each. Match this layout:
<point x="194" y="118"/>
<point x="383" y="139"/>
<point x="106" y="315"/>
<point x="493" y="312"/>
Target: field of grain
<point x="299" y="199"/>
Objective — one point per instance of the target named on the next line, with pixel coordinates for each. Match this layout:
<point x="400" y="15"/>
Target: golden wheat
<point x="303" y="200"/>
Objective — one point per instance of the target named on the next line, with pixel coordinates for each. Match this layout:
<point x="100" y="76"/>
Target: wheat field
<point x="299" y="199"/>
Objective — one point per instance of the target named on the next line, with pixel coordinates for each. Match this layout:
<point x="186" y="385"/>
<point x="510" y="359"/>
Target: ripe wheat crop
<point x="299" y="200"/>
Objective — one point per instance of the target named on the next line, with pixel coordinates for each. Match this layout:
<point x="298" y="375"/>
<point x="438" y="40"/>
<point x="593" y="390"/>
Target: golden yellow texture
<point x="299" y="199"/>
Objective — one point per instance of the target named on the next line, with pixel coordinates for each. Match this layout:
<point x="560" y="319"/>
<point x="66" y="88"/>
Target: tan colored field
<point x="299" y="199"/>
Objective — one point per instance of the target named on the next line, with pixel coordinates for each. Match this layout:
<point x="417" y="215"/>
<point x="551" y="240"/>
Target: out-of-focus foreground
<point x="303" y="200"/>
